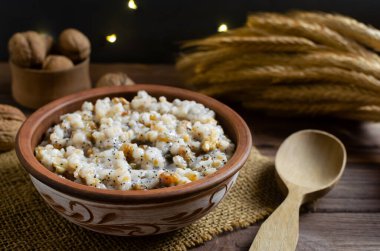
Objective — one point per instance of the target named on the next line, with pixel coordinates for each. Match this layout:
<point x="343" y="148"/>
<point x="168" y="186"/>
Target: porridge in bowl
<point x="146" y="143"/>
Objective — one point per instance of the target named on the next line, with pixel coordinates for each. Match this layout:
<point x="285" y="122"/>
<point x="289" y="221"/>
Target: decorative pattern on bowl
<point x="133" y="220"/>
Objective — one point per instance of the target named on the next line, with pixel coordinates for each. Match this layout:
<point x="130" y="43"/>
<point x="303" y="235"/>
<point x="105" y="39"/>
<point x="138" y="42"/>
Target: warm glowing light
<point x="132" y="5"/>
<point x="223" y="28"/>
<point x="111" y="38"/>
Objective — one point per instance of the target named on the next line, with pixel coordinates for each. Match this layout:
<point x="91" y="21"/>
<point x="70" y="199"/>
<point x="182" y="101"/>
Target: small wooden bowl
<point x="128" y="213"/>
<point x="34" y="88"/>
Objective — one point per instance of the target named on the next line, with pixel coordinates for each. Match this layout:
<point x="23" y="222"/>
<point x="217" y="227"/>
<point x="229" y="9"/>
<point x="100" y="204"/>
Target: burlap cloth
<point x="28" y="223"/>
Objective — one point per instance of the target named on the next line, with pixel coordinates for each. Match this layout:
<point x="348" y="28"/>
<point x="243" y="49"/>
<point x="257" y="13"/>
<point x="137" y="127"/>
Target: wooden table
<point x="348" y="218"/>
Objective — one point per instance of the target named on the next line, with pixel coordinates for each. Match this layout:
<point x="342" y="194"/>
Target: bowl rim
<point x="25" y="152"/>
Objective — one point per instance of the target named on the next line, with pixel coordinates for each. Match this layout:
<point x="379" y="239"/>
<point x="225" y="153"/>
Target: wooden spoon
<point x="308" y="164"/>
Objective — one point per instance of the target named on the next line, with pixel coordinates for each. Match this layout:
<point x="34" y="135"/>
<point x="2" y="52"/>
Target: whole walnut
<point x="11" y="119"/>
<point x="114" y="79"/>
<point x="74" y="44"/>
<point x="57" y="62"/>
<point x="29" y="49"/>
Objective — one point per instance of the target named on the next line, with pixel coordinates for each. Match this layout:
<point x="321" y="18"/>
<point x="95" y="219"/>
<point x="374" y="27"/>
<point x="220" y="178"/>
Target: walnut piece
<point x="57" y="62"/>
<point x="114" y="79"/>
<point x="11" y="119"/>
<point x="29" y="49"/>
<point x="74" y="44"/>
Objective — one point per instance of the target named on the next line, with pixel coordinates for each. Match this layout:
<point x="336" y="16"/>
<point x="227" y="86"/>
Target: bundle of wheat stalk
<point x="299" y="63"/>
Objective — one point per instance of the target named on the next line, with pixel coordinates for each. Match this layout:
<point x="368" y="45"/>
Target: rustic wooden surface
<point x="348" y="218"/>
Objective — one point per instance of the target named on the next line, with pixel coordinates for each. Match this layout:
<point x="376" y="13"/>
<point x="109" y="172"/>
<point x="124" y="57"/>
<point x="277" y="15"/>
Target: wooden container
<point x="34" y="88"/>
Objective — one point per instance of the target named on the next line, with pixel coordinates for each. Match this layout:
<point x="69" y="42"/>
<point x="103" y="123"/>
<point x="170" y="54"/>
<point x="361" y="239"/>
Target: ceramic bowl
<point x="34" y="88"/>
<point x="131" y="213"/>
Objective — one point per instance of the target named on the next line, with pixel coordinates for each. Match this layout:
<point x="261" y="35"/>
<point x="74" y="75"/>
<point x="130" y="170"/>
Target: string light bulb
<point x="111" y="38"/>
<point x="223" y="28"/>
<point x="132" y="5"/>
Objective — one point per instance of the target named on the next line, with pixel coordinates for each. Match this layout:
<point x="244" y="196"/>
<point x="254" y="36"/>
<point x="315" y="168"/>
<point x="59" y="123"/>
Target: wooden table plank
<point x="348" y="218"/>
<point x="318" y="232"/>
<point x="357" y="191"/>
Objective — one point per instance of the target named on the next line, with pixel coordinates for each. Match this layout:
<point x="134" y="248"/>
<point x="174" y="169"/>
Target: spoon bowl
<point x="308" y="164"/>
<point x="311" y="159"/>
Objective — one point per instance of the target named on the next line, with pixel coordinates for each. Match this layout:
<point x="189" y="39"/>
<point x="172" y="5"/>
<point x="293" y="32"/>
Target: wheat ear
<point x="268" y="43"/>
<point x="300" y="108"/>
<point x="280" y="44"/>
<point x="322" y="92"/>
<point x="281" y="24"/>
<point x="366" y="113"/>
<point x="281" y="74"/>
<point x="296" y="93"/>
<point x="348" y="61"/>
<point x="348" y="27"/>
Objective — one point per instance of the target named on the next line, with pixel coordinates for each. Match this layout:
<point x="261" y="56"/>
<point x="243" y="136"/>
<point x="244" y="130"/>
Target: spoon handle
<point x="280" y="231"/>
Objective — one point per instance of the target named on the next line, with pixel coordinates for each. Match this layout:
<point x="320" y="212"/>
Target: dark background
<point x="152" y="33"/>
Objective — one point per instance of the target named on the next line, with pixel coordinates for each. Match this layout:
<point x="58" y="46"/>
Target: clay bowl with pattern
<point x="135" y="212"/>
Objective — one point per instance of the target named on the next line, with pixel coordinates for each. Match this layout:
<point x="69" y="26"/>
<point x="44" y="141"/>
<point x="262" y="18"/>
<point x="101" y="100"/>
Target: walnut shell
<point x="114" y="79"/>
<point x="57" y="62"/>
<point x="74" y="44"/>
<point x="11" y="119"/>
<point x="29" y="49"/>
